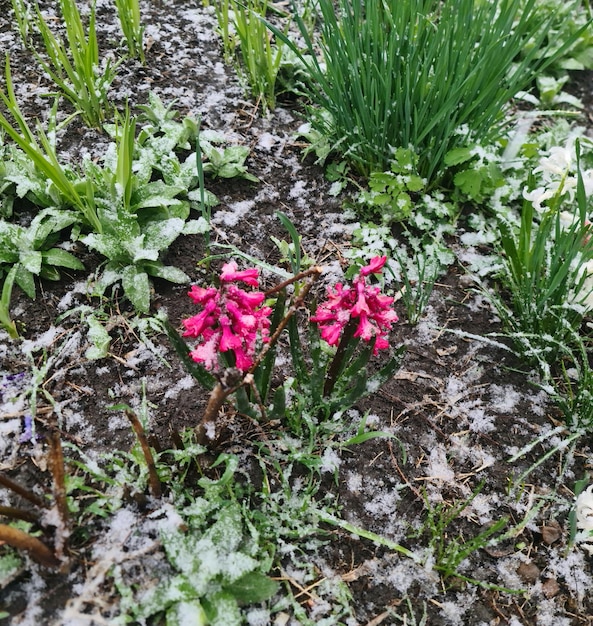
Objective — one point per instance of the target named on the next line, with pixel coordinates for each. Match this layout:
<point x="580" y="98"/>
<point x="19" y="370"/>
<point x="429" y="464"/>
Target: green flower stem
<point x="336" y="365"/>
<point x="314" y="274"/>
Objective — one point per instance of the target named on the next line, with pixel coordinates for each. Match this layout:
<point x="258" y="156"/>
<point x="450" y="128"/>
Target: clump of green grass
<point x="420" y="74"/>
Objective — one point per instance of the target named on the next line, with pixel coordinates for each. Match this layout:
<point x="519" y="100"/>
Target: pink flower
<point x="375" y="266"/>
<point x="230" y="320"/>
<point x="360" y="301"/>
<point x="230" y="274"/>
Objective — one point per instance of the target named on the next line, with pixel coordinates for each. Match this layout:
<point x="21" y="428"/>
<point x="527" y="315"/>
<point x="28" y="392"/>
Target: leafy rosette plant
<point x="238" y="333"/>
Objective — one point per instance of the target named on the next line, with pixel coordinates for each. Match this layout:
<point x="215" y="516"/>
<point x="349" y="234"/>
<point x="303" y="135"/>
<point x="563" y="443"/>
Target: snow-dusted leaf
<point x="137" y="288"/>
<point x="31" y="260"/>
<point x="62" y="258"/>
<point x="107" y="245"/>
<point x="24" y="279"/>
<point x="196" y="227"/>
<point x="253" y="587"/>
<point x="167" y="272"/>
<point x="182" y="613"/>
<point x="159" y="235"/>
<point x="157" y="194"/>
<point x="99" y="337"/>
<point x="223" y="610"/>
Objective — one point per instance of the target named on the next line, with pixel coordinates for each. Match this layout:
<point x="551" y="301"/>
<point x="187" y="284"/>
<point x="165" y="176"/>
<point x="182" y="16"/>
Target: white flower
<point x="584" y="511"/>
<point x="587" y="289"/>
<point x="558" y="163"/>
<point x="538" y="196"/>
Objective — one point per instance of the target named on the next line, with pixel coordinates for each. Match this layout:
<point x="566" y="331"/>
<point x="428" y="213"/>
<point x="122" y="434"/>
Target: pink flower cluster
<point x="360" y="301"/>
<point x="230" y="319"/>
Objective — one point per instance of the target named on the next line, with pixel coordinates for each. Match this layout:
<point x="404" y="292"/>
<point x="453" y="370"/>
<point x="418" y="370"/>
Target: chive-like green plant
<point x="242" y="23"/>
<point x="224" y="18"/>
<point x="74" y="64"/>
<point x="128" y="12"/>
<point x="432" y="76"/>
<point x="23" y="17"/>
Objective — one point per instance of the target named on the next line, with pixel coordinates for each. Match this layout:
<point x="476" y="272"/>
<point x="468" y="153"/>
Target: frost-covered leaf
<point x="253" y="587"/>
<point x="155" y="194"/>
<point x="196" y="227"/>
<point x="167" y="272"/>
<point x="222" y="610"/>
<point x="31" y="260"/>
<point x="10" y="566"/>
<point x="186" y="614"/>
<point x="107" y="245"/>
<point x="109" y="276"/>
<point x="62" y="258"/>
<point x="137" y="288"/>
<point x="195" y="198"/>
<point x="458" y="155"/>
<point x="159" y="235"/>
<point x="24" y="279"/>
<point x="99" y="337"/>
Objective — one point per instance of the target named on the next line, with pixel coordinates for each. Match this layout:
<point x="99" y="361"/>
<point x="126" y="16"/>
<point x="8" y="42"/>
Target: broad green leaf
<point x="458" y="155"/>
<point x="470" y="182"/>
<point x="196" y="227"/>
<point x="106" y="244"/>
<point x="62" y="258"/>
<point x="99" y="337"/>
<point x="136" y="287"/>
<point x="160" y="235"/>
<point x="252" y="588"/>
<point x="24" y="279"/>
<point x="156" y="193"/>
<point x="222" y="609"/>
<point x="31" y="260"/>
<point x="167" y="272"/>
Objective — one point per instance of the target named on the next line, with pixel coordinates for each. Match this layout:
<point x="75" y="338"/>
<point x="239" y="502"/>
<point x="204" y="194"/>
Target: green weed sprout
<point x="74" y="64"/>
<point x="5" y="319"/>
<point x="449" y="552"/>
<point x="128" y="12"/>
<point x="434" y="77"/>
<point x="261" y="59"/>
